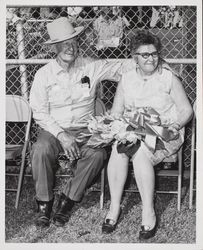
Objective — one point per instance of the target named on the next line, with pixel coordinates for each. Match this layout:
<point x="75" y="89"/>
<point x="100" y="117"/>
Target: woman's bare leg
<point x="145" y="178"/>
<point x="117" y="171"/>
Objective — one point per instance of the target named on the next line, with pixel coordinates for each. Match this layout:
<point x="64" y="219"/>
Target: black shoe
<point x="109" y="225"/>
<point x="146" y="233"/>
<point x="63" y="210"/>
<point x="44" y="209"/>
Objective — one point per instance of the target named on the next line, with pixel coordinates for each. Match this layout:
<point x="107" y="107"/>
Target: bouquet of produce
<point x="129" y="130"/>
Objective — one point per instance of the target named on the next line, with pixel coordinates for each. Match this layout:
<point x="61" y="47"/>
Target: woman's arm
<point x="118" y="103"/>
<point x="179" y="96"/>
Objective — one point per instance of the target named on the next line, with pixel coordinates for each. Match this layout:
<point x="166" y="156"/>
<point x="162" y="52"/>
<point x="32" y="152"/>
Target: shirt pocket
<point x="58" y="95"/>
<point x="80" y="92"/>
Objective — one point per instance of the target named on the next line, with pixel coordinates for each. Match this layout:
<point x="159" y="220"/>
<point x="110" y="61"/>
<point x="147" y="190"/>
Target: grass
<point x="85" y="223"/>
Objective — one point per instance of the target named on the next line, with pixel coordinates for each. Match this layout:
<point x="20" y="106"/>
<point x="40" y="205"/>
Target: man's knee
<point x="42" y="148"/>
<point x="97" y="154"/>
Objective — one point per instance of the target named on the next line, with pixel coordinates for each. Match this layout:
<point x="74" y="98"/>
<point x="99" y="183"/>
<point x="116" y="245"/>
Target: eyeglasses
<point x="147" y="55"/>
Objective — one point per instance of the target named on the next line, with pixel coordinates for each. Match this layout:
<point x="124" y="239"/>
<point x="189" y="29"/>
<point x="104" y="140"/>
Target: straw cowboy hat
<point x="61" y="29"/>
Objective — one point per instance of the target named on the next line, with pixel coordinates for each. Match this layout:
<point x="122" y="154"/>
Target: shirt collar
<point x="57" y="69"/>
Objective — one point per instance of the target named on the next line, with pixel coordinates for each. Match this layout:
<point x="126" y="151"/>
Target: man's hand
<point x="69" y="145"/>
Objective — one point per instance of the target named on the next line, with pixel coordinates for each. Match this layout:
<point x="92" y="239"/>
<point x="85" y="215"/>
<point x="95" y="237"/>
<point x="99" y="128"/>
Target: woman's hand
<point x="165" y="120"/>
<point x="174" y="130"/>
<point x="69" y="145"/>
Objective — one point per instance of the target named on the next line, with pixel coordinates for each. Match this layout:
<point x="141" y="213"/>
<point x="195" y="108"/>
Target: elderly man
<point x="62" y="96"/>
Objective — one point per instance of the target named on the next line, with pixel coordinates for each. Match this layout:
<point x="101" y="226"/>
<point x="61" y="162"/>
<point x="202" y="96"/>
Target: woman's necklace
<point x="145" y="77"/>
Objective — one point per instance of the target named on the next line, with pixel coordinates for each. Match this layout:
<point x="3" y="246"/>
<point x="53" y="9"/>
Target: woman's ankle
<point x="113" y="212"/>
<point x="149" y="217"/>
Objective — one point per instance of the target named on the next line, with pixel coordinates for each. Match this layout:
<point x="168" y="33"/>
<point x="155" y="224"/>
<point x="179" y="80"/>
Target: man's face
<point x="67" y="50"/>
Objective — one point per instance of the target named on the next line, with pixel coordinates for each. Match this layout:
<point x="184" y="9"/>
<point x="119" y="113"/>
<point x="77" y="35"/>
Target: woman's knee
<point x="140" y="158"/>
<point x="118" y="159"/>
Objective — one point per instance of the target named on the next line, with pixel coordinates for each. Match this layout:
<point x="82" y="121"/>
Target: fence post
<point x="21" y="55"/>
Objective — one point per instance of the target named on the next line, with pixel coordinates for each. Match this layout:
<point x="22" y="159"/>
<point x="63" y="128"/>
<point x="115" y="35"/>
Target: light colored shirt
<point x="135" y="92"/>
<point x="153" y="91"/>
<point x="58" y="98"/>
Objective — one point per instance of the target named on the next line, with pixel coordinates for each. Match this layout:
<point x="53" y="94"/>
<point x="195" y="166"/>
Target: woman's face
<point x="147" y="58"/>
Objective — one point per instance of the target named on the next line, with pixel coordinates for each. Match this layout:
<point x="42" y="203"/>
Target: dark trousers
<point x="44" y="157"/>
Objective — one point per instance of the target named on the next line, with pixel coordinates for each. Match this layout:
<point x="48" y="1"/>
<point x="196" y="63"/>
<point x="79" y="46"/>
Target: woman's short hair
<point x="144" y="38"/>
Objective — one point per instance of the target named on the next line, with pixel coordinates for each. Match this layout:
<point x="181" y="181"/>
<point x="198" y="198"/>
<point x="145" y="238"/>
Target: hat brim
<point x="78" y="30"/>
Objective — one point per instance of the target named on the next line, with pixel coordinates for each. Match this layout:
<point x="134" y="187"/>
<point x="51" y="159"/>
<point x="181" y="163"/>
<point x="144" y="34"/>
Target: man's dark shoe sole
<point x="63" y="210"/>
<point x="42" y="222"/>
<point x="60" y="220"/>
<point x="44" y="209"/>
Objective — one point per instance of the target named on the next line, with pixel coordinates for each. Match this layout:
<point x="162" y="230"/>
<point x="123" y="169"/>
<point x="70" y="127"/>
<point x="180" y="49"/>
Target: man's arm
<point x="118" y="103"/>
<point x="40" y="105"/>
<point x="105" y="70"/>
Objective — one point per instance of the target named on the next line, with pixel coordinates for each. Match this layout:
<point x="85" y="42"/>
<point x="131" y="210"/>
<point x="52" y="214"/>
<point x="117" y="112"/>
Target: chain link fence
<point x="108" y="30"/>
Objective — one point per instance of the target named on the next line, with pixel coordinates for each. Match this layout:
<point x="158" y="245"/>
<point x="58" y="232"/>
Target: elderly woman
<point x="150" y="83"/>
